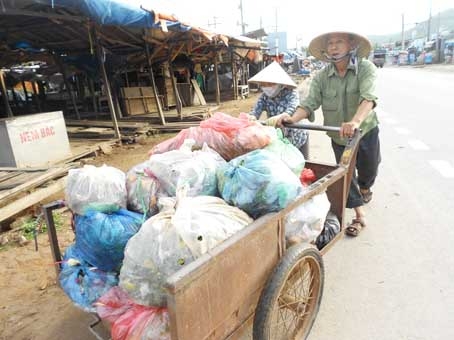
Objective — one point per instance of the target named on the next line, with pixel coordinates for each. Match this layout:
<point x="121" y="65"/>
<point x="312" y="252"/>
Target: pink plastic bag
<point x="113" y="304"/>
<point x="229" y="141"/>
<point x="142" y="322"/>
<point x="222" y="122"/>
<point x="131" y="321"/>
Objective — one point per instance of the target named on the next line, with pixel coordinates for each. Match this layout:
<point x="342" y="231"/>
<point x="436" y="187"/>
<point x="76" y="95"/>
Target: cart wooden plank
<point x="224" y="285"/>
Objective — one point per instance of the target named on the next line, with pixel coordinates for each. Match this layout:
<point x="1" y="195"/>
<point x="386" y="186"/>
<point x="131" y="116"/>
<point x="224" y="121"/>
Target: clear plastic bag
<point x="95" y="188"/>
<point x="306" y="221"/>
<point x="258" y="183"/>
<point x="287" y="152"/>
<point x="143" y="189"/>
<point x="180" y="233"/>
<point x="196" y="169"/>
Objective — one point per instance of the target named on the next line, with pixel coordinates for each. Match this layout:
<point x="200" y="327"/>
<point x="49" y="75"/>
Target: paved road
<point x="395" y="281"/>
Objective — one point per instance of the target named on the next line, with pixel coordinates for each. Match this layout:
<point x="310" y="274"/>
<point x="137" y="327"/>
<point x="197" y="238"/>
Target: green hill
<point x="444" y="19"/>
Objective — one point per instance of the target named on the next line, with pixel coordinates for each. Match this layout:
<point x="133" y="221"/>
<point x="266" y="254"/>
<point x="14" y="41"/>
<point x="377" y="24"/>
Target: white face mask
<point x="272" y="91"/>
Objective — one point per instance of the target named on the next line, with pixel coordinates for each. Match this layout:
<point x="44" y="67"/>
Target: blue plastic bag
<point x="258" y="183"/>
<point x="83" y="284"/>
<point x="101" y="238"/>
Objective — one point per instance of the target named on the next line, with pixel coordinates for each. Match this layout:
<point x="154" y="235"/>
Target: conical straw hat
<point x="318" y="45"/>
<point x="273" y="73"/>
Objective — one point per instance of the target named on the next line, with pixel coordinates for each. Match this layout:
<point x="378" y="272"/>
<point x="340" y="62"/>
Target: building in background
<point x="279" y="40"/>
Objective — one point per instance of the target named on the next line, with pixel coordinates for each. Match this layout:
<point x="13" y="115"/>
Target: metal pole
<point x="9" y="112"/>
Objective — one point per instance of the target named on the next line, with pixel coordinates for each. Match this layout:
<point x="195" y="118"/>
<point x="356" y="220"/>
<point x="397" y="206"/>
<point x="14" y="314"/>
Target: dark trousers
<point x="367" y="162"/>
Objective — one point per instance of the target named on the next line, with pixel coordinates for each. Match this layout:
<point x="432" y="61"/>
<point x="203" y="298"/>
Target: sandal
<point x="367" y="195"/>
<point x="354" y="228"/>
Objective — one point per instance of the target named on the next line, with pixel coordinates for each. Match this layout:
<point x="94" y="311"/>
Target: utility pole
<point x="243" y="25"/>
<point x="214" y="23"/>
<point x="438" y="42"/>
<point x="403" y="33"/>
<point x="429" y="22"/>
<point x="276" y="37"/>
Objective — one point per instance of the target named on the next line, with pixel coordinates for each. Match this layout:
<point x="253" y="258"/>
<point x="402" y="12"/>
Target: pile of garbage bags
<point x="134" y="230"/>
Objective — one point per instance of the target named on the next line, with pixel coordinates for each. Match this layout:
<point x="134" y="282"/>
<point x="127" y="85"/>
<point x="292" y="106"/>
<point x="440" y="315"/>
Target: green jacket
<point x="340" y="97"/>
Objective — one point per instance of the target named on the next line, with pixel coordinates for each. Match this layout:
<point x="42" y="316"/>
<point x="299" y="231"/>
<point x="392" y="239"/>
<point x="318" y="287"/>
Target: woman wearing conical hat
<point x="279" y="96"/>
<point x="345" y="90"/>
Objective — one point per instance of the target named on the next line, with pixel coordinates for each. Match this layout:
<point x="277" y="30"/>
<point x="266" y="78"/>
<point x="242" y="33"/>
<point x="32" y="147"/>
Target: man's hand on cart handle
<point x="348" y="129"/>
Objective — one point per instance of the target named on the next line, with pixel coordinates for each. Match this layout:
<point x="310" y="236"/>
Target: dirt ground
<point x="32" y="306"/>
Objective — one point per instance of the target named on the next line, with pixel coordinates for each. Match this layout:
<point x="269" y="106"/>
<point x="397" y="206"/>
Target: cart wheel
<point x="291" y="298"/>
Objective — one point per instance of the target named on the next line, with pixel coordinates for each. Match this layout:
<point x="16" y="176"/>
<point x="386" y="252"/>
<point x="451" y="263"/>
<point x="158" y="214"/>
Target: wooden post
<point x="91" y="85"/>
<point x="216" y="76"/>
<point x="100" y="54"/>
<point x="153" y="84"/>
<point x="175" y="92"/>
<point x="42" y="95"/>
<point x="9" y="112"/>
<point x="35" y="94"/>
<point x="126" y="78"/>
<point x="234" y="77"/>
<point x="27" y="102"/>
<point x="67" y="85"/>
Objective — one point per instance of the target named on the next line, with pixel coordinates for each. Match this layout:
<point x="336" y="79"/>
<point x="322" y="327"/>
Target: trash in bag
<point x="143" y="189"/>
<point x="113" y="304"/>
<point x="287" y="152"/>
<point x="305" y="222"/>
<point x="227" y="135"/>
<point x="95" y="188"/>
<point x="258" y="183"/>
<point x="330" y="230"/>
<point x="83" y="283"/>
<point x="197" y="169"/>
<point x="184" y="229"/>
<point x="130" y="320"/>
<point x="101" y="238"/>
<point x="142" y="323"/>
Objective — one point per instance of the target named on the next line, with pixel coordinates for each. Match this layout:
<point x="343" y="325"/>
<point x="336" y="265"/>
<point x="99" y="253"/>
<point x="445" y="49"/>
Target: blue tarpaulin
<point x="111" y="12"/>
<point x="107" y="12"/>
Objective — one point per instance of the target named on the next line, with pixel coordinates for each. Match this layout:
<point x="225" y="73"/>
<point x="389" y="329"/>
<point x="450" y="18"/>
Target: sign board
<point x="33" y="140"/>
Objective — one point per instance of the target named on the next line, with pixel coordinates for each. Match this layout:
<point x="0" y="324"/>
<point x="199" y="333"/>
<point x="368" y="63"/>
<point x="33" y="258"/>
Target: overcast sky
<point x="303" y="20"/>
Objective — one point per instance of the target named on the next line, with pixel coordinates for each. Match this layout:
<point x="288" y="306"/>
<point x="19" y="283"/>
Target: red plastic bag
<point x="113" y="304"/>
<point x="222" y="122"/>
<point x="131" y="321"/>
<point x="142" y="322"/>
<point x="228" y="145"/>
<point x="307" y="177"/>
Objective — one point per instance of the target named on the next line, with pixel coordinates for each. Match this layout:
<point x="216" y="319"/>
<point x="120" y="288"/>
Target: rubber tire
<point x="277" y="280"/>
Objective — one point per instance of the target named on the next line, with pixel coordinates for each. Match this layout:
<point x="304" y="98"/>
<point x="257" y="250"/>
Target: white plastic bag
<point x="197" y="169"/>
<point x="306" y="221"/>
<point x="176" y="236"/>
<point x="98" y="188"/>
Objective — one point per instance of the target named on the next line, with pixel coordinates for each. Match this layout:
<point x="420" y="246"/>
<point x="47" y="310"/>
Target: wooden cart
<point x="251" y="278"/>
